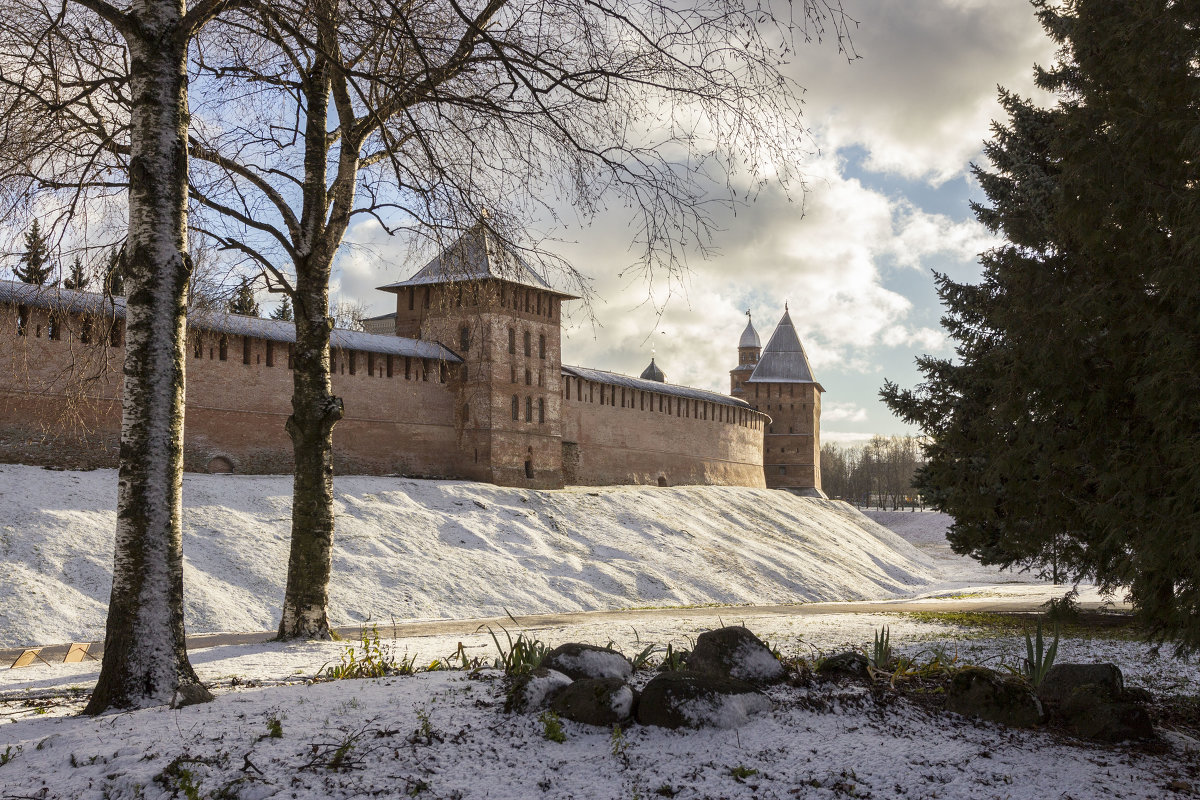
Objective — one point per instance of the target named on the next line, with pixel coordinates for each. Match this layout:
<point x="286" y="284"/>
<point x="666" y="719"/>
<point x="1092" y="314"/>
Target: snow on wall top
<point x="76" y="302"/>
<point x="478" y="254"/>
<point x="645" y="385"/>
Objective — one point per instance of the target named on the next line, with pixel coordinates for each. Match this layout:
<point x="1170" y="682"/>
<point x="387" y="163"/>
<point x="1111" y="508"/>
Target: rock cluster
<point x="1090" y="700"/>
<point x="718" y="687"/>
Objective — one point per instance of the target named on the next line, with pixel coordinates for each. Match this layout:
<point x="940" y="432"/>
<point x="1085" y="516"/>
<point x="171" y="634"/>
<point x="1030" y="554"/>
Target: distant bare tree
<point x="880" y="471"/>
<point x="417" y="115"/>
<point x="349" y="315"/>
<point x="93" y="111"/>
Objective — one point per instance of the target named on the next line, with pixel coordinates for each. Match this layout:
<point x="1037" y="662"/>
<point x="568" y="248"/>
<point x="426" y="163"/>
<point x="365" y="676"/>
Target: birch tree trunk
<point x="145" y="659"/>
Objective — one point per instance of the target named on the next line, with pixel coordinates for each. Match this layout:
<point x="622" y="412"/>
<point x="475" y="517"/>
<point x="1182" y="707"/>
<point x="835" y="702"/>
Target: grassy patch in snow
<point x="986" y="624"/>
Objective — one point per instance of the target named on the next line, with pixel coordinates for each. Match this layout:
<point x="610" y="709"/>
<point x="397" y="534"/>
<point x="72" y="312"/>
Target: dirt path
<point x="403" y="630"/>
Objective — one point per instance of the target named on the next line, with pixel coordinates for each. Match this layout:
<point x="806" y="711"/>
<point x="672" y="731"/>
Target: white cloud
<point x="844" y="438"/>
<point x="921" y="96"/>
<point x="829" y="264"/>
<point x="842" y="412"/>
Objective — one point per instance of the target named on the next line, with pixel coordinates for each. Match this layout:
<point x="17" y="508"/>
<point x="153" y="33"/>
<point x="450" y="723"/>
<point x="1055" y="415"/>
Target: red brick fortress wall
<point x="616" y="435"/>
<point x="59" y="404"/>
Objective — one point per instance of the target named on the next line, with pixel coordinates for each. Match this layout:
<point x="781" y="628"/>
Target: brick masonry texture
<point x="505" y="413"/>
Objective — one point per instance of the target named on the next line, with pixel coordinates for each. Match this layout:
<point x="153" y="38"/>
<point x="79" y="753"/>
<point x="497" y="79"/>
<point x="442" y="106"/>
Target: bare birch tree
<point x="94" y="107"/>
<point x="418" y="114"/>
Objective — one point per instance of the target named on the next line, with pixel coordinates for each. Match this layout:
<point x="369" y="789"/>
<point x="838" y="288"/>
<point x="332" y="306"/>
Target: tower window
<point x="246" y="349"/>
<point x="270" y="353"/>
<point x="370" y="365"/>
<point x="22" y="320"/>
<point x="528" y="344"/>
<point x="352" y="357"/>
<point x="512" y="342"/>
<point x="464" y="338"/>
<point x="541" y="411"/>
<point x="516" y="408"/>
<point x="412" y="298"/>
<point x="198" y="347"/>
<point x="529" y="409"/>
<point x="528" y="378"/>
<point x="53" y="327"/>
<point x="389" y="365"/>
<point x="223" y="348"/>
<point x="542" y="346"/>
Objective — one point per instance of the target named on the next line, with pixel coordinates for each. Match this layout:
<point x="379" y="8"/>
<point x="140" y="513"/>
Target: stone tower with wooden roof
<point x="779" y="382"/>
<point x="481" y="300"/>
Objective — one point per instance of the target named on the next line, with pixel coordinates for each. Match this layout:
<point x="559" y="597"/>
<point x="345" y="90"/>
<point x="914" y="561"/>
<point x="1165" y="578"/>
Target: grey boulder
<point x="735" y="652"/>
<point x="595" y="701"/>
<point x="692" y="700"/>
<point x="577" y="661"/>
<point x="984" y="693"/>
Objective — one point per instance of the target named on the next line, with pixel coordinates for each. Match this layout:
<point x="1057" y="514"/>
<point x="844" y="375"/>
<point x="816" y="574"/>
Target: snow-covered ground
<point x="963" y="578"/>
<point x="445" y="734"/>
<point x="412" y="549"/>
<point x="452" y="550"/>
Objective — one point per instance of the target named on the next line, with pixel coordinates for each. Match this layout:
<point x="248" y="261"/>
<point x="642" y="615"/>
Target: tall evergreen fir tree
<point x="35" y="266"/>
<point x="1066" y="433"/>
<point x="78" y="278"/>
<point x="243" y="301"/>
<point x="283" y="311"/>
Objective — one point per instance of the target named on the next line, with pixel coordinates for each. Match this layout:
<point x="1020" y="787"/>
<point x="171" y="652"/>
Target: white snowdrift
<point x="443" y="549"/>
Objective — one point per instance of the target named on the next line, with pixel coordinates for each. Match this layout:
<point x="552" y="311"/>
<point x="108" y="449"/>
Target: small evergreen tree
<point x="36" y="258"/>
<point x="243" y="301"/>
<point x="114" y="273"/>
<point x="78" y="278"/>
<point x="283" y="311"/>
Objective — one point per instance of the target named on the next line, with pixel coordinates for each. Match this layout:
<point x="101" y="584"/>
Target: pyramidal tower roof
<point x="749" y="336"/>
<point x="783" y="360"/>
<point x="478" y="254"/>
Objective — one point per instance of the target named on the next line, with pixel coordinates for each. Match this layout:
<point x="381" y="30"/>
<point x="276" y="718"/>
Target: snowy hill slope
<point x="443" y="549"/>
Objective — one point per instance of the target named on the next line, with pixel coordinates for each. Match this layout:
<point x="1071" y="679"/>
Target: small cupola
<point x="749" y="336"/>
<point x="653" y="373"/>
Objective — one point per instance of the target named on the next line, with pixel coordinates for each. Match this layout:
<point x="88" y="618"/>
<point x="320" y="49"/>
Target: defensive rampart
<point x="407" y="408"/>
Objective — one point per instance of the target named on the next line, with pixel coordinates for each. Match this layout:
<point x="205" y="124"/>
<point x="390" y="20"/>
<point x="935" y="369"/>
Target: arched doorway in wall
<point x="220" y="465"/>
<point x="662" y="480"/>
<point x="529" y="463"/>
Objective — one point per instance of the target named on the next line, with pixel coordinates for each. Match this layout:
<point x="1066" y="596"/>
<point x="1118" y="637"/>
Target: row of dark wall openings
<point x="56" y="322"/>
<point x="348" y="358"/>
<point x="512" y="343"/>
<point x="541" y="410"/>
<point x="699" y="409"/>
<point x="530" y="298"/>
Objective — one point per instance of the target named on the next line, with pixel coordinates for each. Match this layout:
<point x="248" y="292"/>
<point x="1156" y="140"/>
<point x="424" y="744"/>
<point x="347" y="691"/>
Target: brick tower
<point x="483" y="302"/>
<point x="780" y="383"/>
<point x="749" y="348"/>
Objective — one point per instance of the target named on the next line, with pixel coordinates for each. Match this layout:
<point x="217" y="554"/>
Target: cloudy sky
<point x="886" y="205"/>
